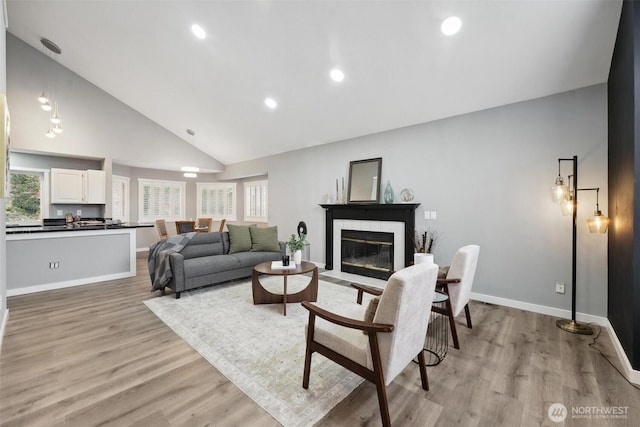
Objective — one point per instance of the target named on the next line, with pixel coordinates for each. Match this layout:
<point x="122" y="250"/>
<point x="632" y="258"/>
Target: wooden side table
<point x="262" y="296"/>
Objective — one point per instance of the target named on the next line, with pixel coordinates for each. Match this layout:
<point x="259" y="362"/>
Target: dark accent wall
<point x="624" y="187"/>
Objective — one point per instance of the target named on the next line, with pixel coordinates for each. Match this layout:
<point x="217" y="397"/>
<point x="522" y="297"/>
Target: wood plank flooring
<point x="94" y="355"/>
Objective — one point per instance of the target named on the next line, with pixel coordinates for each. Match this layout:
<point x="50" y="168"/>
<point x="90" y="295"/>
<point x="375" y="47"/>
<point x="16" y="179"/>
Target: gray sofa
<point x="206" y="260"/>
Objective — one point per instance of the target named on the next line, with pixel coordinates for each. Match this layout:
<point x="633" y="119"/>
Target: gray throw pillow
<point x="239" y="238"/>
<point x="264" y="239"/>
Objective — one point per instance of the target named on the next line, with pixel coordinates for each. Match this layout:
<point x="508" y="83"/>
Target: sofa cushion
<point x="251" y="259"/>
<point x="202" y="266"/>
<point x="264" y="239"/>
<point x="239" y="238"/>
<point x="204" y="244"/>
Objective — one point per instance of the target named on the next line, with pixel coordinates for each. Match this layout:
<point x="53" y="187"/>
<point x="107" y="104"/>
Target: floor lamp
<point x="598" y="223"/>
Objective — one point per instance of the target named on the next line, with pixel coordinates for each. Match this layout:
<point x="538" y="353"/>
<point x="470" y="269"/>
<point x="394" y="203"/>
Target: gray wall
<point x="488" y="175"/>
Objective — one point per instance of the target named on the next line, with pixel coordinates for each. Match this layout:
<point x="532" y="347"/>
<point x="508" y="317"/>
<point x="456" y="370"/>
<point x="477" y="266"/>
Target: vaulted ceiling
<point x="399" y="68"/>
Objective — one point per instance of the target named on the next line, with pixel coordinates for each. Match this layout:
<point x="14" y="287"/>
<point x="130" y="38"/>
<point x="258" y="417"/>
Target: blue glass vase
<point x="388" y="194"/>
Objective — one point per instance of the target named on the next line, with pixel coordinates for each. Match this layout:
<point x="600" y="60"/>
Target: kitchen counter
<point x="74" y="227"/>
<point x="59" y="256"/>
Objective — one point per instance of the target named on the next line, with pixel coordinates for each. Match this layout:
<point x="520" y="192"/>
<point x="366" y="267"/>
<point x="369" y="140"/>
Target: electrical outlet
<point x="79" y="212"/>
<point x="59" y="212"/>
<point x="560" y="287"/>
<point x="56" y="264"/>
<point x="51" y="265"/>
<point x="434" y="215"/>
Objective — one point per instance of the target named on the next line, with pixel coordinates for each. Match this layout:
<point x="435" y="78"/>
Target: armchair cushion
<point x="264" y="239"/>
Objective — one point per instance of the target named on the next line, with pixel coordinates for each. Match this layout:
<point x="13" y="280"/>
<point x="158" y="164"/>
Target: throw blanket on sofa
<point x="158" y="262"/>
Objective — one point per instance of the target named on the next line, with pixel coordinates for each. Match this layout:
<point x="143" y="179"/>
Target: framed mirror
<point x="364" y="181"/>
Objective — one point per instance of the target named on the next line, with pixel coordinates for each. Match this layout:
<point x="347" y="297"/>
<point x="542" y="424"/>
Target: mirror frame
<point x="353" y="168"/>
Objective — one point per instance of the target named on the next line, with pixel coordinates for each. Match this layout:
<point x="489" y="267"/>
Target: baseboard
<point x="142" y="253"/>
<point x="68" y="284"/>
<point x="3" y="325"/>
<point x="541" y="309"/>
<point x="630" y="374"/>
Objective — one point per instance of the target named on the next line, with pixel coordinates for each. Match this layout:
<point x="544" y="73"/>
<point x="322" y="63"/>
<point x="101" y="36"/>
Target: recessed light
<point x="336" y="75"/>
<point x="190" y="175"/>
<point x="190" y="169"/>
<point x="451" y="25"/>
<point x="198" y="31"/>
<point x="271" y="103"/>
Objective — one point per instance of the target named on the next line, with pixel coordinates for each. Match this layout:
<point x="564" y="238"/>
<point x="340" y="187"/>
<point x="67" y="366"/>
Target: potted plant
<point x="295" y="245"/>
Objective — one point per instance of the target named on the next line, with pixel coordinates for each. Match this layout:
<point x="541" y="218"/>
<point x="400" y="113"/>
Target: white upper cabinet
<point x="96" y="187"/>
<point x="72" y="186"/>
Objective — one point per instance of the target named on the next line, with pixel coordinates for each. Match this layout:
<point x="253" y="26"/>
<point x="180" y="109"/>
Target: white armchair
<point x="458" y="284"/>
<point x="389" y="343"/>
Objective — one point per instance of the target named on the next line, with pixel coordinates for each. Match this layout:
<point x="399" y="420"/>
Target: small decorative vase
<point x="297" y="257"/>
<point x="388" y="193"/>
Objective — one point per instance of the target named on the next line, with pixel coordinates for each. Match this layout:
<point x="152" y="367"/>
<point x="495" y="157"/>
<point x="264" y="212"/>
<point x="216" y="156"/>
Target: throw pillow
<point x="370" y="312"/>
<point x="264" y="239"/>
<point x="239" y="238"/>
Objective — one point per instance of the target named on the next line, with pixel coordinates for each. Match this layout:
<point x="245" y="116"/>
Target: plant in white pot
<point x="296" y="245"/>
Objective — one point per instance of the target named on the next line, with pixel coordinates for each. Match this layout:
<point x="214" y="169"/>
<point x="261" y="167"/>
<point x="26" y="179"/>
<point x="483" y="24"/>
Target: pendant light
<point x="45" y="102"/>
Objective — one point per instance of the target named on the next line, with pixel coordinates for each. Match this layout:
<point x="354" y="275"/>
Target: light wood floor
<point x="95" y="355"/>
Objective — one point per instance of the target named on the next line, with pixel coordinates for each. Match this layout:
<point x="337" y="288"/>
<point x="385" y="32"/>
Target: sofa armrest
<point x="177" y="268"/>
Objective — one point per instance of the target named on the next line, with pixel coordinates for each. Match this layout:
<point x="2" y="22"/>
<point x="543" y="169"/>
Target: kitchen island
<point x="52" y="257"/>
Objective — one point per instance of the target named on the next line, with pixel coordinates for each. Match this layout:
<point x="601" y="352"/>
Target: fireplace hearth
<point x="367" y="253"/>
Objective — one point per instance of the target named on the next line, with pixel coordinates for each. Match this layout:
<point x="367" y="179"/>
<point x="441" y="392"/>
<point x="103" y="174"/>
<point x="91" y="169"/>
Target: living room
<point x="486" y="172"/>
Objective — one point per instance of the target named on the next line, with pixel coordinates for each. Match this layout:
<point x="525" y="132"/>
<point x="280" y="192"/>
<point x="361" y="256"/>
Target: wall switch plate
<point x="560" y="287"/>
<point x="434" y="215"/>
<point x="427" y="215"/>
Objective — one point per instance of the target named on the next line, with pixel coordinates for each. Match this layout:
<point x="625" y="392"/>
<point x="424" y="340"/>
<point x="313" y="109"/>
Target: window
<point x="161" y="200"/>
<point x="255" y="201"/>
<point x="217" y="200"/>
<point x="120" y="198"/>
<point x="27" y="203"/>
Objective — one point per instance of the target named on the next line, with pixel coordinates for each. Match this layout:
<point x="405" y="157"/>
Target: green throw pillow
<point x="239" y="238"/>
<point x="264" y="239"/>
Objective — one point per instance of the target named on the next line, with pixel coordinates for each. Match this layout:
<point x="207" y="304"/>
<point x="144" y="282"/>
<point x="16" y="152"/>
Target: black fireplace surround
<point x="403" y="212"/>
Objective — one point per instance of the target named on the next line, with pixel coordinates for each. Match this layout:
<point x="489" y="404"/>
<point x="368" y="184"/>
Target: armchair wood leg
<point x="423" y="371"/>
<point x="308" y="351"/>
<point x="452" y="324"/>
<point x="466" y="312"/>
<point x="379" y="380"/>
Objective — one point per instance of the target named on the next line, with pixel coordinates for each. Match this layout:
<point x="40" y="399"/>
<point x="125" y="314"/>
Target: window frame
<point x="126" y="215"/>
<point x="230" y="216"/>
<point x="247" y="202"/>
<point x="44" y="174"/>
<point x="182" y="186"/>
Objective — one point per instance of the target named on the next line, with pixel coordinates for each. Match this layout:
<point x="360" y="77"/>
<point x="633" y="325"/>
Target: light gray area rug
<point x="260" y="350"/>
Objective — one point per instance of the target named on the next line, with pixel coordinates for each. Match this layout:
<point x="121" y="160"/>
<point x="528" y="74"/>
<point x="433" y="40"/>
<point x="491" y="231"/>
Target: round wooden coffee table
<point x="262" y="296"/>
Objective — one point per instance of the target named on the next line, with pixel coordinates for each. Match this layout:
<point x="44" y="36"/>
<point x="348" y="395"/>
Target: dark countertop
<point x="52" y="228"/>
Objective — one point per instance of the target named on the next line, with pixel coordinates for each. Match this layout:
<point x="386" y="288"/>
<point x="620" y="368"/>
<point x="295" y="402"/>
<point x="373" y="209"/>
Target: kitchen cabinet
<point x="95" y="188"/>
<point x="71" y="186"/>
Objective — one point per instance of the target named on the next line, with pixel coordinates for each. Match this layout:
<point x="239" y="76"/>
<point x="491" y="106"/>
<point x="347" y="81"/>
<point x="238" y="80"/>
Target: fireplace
<point x="395" y="219"/>
<point x="367" y="253"/>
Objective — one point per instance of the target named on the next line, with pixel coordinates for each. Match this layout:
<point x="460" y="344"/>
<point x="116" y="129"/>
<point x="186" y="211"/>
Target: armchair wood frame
<point x="443" y="284"/>
<point x="222" y="222"/>
<point x="376" y="375"/>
